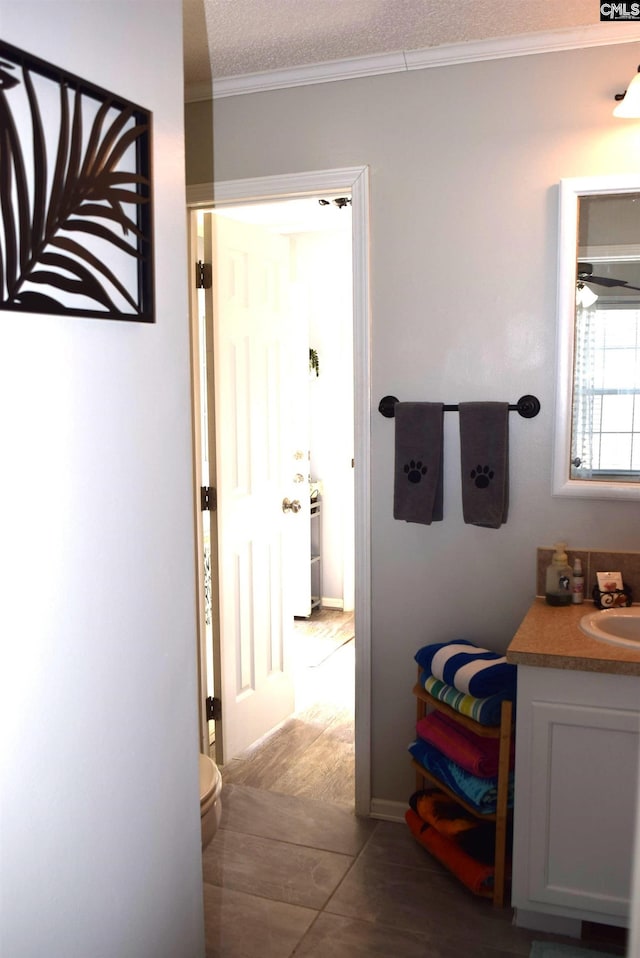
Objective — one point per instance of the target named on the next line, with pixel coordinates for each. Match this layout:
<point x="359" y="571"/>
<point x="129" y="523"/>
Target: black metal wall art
<point x="75" y="195"/>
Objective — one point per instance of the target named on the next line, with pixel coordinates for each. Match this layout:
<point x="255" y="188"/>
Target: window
<point x="606" y="433"/>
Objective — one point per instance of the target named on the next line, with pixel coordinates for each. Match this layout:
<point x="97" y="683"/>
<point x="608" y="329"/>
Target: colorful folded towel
<point x="484" y="711"/>
<point x="480" y="793"/>
<point x="476" y="754"/>
<point x="476" y="876"/>
<point x="469" y="668"/>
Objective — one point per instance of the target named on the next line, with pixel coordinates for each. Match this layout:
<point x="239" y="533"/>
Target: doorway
<point x="355" y="181"/>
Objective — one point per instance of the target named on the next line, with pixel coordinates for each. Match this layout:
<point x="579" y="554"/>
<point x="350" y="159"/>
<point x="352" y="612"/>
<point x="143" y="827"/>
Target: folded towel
<point x="479" y="840"/>
<point x="474" y="753"/>
<point x="485" y="711"/>
<point x="480" y="793"/>
<point x="437" y="809"/>
<point x="484" y="453"/>
<point x="469" y="668"/>
<point x="417" y="495"/>
<point x="476" y="876"/>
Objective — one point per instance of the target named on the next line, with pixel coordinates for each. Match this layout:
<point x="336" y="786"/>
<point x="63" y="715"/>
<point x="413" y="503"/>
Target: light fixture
<point x="585" y="296"/>
<point x="629" y="101"/>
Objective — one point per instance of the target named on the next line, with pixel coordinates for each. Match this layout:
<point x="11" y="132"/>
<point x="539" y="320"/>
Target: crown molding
<point x="528" y="44"/>
<point x="598" y="34"/>
<point x="313" y="73"/>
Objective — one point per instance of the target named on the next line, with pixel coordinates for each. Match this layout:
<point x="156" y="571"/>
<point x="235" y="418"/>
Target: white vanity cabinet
<point x="577" y="745"/>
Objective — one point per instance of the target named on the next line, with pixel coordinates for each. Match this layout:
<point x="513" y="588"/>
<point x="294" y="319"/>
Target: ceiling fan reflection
<point x="585" y="275"/>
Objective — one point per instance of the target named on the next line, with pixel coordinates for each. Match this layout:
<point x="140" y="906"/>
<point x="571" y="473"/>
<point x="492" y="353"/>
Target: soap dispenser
<point x="559" y="581"/>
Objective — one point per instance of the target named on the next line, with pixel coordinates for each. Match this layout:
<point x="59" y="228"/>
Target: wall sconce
<point x="629" y="101"/>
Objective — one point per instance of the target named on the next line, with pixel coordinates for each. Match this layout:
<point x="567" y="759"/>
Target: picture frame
<point x="76" y="224"/>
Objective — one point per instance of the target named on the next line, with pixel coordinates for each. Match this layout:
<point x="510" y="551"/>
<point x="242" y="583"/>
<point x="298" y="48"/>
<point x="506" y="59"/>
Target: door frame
<point x="354" y="180"/>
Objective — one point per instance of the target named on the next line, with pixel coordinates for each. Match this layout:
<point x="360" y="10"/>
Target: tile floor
<point x="290" y="876"/>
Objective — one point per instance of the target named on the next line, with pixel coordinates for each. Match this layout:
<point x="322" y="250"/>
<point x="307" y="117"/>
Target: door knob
<point x="289" y="506"/>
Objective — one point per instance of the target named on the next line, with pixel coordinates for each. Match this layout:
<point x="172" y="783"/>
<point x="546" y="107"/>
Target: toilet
<point x="210" y="804"/>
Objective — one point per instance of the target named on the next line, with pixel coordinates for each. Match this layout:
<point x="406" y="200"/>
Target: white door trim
<point x="356" y="181"/>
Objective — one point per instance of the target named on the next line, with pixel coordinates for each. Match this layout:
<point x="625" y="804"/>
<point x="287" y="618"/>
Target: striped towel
<point x="468" y="668"/>
<point x="485" y="711"/>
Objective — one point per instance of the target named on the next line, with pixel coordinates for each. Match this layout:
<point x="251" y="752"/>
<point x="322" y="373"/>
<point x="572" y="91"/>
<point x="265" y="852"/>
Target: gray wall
<point x="99" y="820"/>
<point x="464" y="164"/>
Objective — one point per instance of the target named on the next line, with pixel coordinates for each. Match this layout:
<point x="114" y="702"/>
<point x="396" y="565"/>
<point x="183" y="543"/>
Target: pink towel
<point x="474" y="753"/>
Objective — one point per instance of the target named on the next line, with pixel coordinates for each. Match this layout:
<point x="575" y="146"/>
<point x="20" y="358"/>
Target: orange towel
<point x="437" y="809"/>
<point x="477" y="877"/>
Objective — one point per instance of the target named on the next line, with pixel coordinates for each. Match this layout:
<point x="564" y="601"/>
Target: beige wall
<point x="464" y="163"/>
<point x="199" y="132"/>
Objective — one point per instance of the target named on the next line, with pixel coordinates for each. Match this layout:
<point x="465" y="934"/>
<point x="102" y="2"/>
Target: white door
<point x="356" y="181"/>
<point x="299" y="570"/>
<point x="201" y="308"/>
<point x="254" y="397"/>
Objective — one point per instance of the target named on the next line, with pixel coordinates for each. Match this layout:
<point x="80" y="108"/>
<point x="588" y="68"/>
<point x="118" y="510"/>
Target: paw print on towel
<point x="482" y="475"/>
<point x="415" y="470"/>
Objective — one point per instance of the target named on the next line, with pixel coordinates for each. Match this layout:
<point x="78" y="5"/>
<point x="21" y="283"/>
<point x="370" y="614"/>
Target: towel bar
<point x="527" y="407"/>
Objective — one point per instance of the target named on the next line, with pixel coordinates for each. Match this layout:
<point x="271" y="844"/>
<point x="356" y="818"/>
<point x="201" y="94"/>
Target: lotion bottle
<point x="577" y="593"/>
<point x="559" y="581"/>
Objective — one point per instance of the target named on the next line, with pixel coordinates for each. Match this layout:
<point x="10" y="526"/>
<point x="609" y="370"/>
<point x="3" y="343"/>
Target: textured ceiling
<point x="236" y="37"/>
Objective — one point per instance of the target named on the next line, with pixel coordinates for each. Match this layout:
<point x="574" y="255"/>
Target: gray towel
<point x="484" y="453"/>
<point x="417" y="494"/>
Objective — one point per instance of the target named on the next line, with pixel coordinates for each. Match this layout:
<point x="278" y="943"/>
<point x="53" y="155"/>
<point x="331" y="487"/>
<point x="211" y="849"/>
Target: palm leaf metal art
<point x="75" y="195"/>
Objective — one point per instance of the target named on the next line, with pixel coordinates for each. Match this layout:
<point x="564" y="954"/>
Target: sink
<point x="619" y="626"/>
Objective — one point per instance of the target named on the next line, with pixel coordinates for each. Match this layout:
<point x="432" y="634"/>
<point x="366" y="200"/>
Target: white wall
<point x="464" y="164"/>
<point x="100" y="843"/>
<point x="323" y="264"/>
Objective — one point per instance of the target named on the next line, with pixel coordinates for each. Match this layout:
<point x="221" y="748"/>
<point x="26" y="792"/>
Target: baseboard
<point x="327" y="603"/>
<point x="552" y="924"/>
<point x="387" y="811"/>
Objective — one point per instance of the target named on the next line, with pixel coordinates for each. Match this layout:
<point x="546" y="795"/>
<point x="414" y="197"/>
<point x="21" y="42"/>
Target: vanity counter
<point x="550" y="637"/>
<point x="577" y="747"/>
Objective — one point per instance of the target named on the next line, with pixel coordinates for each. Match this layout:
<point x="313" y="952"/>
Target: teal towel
<point x="481" y="793"/>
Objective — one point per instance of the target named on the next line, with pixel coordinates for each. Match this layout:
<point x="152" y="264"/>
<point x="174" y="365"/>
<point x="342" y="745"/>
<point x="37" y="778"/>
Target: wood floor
<point x="311" y="754"/>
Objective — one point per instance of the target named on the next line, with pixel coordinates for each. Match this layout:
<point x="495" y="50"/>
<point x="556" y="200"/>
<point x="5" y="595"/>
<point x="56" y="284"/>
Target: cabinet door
<point x="581" y="815"/>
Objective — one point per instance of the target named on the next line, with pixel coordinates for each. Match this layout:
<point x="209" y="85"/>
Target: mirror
<point x="597" y="439"/>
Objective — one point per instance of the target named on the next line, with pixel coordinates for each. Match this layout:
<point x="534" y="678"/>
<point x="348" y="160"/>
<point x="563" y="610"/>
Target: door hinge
<point x="213" y="708"/>
<point x="208" y="499"/>
<point x="203" y="275"/>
